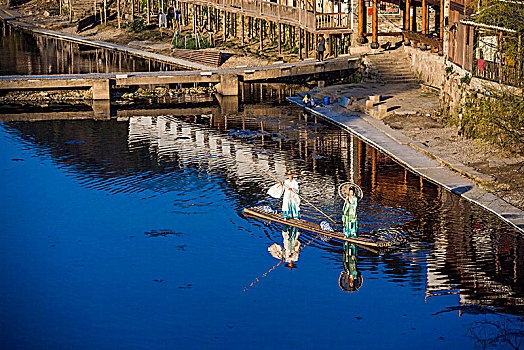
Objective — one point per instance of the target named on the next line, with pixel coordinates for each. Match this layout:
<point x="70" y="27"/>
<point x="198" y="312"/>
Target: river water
<point x="24" y="53"/>
<point x="129" y="233"/>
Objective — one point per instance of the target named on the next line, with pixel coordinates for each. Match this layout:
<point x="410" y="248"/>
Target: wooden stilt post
<point x="362" y="16"/>
<point x="290" y="36"/>
<point x="441" y="29"/>
<point x="224" y="25"/>
<point x="279" y="34"/>
<point x="407" y="19"/>
<point x="261" y="32"/>
<point x="426" y="27"/>
<point x="413" y="25"/>
<point x="242" y="28"/>
<point x="306" y="39"/>
<point x="374" y="25"/>
<point x="148" y="14"/>
<point x="235" y="25"/>
<point x="300" y="43"/>
<point x="315" y="44"/>
<point x="424" y="16"/>
<point x="118" y="12"/>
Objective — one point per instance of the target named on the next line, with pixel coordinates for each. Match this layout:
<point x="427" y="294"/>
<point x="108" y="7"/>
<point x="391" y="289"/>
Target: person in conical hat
<point x="349" y="213"/>
<point x="291" y="199"/>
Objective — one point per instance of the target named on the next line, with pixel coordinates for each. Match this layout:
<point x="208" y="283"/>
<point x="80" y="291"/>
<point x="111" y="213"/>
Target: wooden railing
<point x="501" y="73"/>
<point x="302" y="15"/>
<point x="332" y="20"/>
<point x="421" y="39"/>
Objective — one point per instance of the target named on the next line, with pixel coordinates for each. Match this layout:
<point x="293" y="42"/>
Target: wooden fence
<point x="498" y="72"/>
<point x="301" y="16"/>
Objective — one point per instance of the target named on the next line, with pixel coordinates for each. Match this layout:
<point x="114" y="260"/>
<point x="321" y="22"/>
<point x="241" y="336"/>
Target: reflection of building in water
<point x="26" y="53"/>
<point x="483" y="266"/>
<point x="194" y="140"/>
<point x="453" y="248"/>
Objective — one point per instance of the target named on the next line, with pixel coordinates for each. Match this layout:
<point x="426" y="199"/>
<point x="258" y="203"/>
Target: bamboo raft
<point x="259" y="213"/>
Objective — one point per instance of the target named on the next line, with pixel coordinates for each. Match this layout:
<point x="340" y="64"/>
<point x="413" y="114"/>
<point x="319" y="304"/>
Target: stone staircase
<point x="389" y="67"/>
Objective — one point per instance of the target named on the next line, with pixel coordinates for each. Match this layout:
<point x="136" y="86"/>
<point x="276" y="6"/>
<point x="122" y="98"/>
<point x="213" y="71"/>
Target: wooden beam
<point x="279" y="38"/>
<point x="306" y="39"/>
<point x="424" y="16"/>
<point x="413" y="25"/>
<point x="261" y="26"/>
<point x="242" y="26"/>
<point x="407" y="24"/>
<point x="361" y="21"/>
<point x="427" y="19"/>
<point x="441" y="31"/>
<point x="374" y="25"/>
<point x="299" y="43"/>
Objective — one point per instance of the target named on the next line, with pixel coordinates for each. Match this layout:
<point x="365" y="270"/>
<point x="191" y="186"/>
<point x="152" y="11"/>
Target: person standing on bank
<point x="321" y="46"/>
<point x="291" y="200"/>
<point x="349" y="214"/>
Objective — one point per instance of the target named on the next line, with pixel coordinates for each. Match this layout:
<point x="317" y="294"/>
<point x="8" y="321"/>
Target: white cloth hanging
<point x="276" y="190"/>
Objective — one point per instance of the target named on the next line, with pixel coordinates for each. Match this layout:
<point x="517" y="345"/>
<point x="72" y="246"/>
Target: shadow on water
<point x="452" y="248"/>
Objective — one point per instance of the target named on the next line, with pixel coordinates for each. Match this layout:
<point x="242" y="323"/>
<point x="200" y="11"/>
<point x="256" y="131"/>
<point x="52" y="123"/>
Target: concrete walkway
<point x="403" y="150"/>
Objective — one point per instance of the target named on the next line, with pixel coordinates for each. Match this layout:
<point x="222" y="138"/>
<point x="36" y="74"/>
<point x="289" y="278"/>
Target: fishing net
<point x="344" y="187"/>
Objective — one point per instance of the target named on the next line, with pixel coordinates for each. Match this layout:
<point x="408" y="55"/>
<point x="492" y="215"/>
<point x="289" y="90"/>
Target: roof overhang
<point x="486" y="26"/>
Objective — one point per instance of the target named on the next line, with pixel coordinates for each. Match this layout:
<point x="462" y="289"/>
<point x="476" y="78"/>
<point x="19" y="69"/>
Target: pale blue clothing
<point x="291" y="200"/>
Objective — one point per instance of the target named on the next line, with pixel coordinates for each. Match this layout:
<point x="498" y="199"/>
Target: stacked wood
<point x="211" y="58"/>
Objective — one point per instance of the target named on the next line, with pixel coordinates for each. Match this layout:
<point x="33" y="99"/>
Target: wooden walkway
<point x="226" y="80"/>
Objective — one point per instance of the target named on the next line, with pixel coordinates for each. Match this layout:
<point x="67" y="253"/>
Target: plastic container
<point x="326" y="100"/>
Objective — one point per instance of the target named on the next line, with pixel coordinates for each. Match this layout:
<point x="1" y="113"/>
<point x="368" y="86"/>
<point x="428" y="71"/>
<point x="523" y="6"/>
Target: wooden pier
<point x="225" y="81"/>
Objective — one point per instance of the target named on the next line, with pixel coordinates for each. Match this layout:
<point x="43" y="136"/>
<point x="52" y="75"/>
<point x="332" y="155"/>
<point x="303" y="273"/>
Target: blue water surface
<point x="154" y="253"/>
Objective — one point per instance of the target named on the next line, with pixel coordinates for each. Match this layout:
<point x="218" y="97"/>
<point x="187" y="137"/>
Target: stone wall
<point x="453" y="82"/>
<point x="429" y="67"/>
<point x="458" y="83"/>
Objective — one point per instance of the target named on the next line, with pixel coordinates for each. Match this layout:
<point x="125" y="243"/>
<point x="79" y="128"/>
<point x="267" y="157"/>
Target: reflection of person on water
<point x="349" y="214"/>
<point x="291" y="250"/>
<point x="350" y="279"/>
<point x="291" y="200"/>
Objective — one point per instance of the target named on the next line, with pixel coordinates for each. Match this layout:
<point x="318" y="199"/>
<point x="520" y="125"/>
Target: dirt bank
<point x="443" y="140"/>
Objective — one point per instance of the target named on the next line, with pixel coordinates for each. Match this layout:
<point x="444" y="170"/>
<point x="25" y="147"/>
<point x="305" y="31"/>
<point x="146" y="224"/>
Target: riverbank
<point x="416" y="138"/>
<point x="151" y="39"/>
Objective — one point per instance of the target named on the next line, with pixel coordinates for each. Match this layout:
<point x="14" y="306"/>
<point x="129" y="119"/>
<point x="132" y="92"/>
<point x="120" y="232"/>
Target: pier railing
<point x="332" y="20"/>
<point x="302" y="16"/>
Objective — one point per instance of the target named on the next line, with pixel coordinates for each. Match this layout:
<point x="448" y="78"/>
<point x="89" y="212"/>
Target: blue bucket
<point x="326" y="100"/>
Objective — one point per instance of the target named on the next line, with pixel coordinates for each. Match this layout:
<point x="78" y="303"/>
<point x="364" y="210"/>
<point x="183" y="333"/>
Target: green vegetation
<point x="137" y="25"/>
<point x="497" y="118"/>
<point x="496" y="114"/>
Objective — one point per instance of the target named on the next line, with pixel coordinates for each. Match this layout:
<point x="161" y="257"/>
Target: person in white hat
<point x="291" y="200"/>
